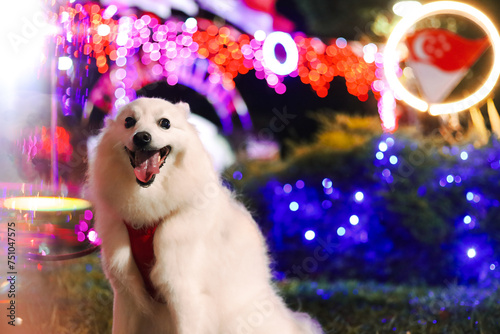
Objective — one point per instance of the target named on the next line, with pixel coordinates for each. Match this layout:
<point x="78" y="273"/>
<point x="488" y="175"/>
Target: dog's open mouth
<point x="147" y="163"/>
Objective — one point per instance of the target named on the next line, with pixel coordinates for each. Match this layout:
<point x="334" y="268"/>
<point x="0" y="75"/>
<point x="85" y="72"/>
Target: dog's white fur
<point x="211" y="265"/>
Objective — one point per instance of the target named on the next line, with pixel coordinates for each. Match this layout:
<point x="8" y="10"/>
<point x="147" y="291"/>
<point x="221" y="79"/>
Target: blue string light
<point x="359" y="196"/>
<point x="309" y="235"/>
<point x="354" y="220"/>
<point x="310" y="206"/>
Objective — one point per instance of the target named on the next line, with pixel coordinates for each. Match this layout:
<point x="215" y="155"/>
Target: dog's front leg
<point x="193" y="310"/>
<point x="126" y="316"/>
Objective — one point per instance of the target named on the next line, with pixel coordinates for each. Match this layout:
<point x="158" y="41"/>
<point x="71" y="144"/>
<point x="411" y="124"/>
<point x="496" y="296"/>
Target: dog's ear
<point x="184" y="107"/>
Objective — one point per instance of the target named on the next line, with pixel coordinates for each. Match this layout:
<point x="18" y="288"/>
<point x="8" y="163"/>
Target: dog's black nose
<point x="142" y="139"/>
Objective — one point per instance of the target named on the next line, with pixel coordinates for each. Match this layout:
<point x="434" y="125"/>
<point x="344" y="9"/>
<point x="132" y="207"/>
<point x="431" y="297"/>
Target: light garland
<point x="90" y="30"/>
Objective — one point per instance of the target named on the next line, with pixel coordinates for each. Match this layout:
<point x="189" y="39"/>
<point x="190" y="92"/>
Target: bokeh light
<point x="309" y="235"/>
<point x="294" y="206"/>
<point x="354" y="220"/>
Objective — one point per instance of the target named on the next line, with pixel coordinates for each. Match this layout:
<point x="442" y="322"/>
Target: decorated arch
<point x="131" y="51"/>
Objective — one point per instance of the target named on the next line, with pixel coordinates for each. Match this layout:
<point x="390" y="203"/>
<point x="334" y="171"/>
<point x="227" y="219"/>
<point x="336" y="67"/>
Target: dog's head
<point x="153" y="133"/>
<point x="149" y="161"/>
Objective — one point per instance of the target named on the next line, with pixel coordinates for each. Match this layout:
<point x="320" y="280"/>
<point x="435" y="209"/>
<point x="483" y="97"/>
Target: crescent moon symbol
<point x="418" y="47"/>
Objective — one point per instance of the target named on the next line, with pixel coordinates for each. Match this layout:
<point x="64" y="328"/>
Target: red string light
<point x="230" y="53"/>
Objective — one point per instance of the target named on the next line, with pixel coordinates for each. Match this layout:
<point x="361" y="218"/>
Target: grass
<point x="361" y="307"/>
<point x="74" y="297"/>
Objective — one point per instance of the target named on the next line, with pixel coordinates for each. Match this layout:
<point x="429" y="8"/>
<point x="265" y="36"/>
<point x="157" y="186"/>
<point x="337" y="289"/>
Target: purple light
<point x="341" y="42"/>
<point x="363" y="236"/>
<point x="492" y="267"/>
<point x="272" y="80"/>
<point x="83" y="226"/>
<point x="88" y="215"/>
<point x="157" y="69"/>
<point x="326" y="204"/>
<point x="327" y="183"/>
<point x="81" y="236"/>
<point x="278" y="190"/>
<point x="378" y="85"/>
<point x="237" y="175"/>
<point x="146" y="19"/>
<point x="386" y="173"/>
<point x="287" y="188"/>
<point x="120" y="93"/>
<point x="172" y="79"/>
<point x="280" y="88"/>
<point x="120" y="74"/>
<point x="121" y="61"/>
<point x="139" y="24"/>
<point x="155" y="55"/>
<point x="299" y="184"/>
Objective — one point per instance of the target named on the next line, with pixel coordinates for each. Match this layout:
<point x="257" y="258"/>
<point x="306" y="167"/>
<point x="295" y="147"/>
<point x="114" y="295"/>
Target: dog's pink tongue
<point x="147" y="164"/>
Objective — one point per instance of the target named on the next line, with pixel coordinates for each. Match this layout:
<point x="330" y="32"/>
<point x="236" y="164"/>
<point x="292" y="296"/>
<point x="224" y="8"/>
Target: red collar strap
<point x="141" y="243"/>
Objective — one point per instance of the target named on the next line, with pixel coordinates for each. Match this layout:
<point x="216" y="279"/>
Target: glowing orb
<point x="64" y="63"/>
<point x="36" y="203"/>
<point x="310" y="235"/>
<point x="359" y="196"/>
<point x="391" y="58"/>
<point x="354" y="220"/>
<point x="292" y="53"/>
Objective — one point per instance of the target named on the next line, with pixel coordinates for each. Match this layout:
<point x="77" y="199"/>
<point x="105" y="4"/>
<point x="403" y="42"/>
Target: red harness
<point x="141" y="243"/>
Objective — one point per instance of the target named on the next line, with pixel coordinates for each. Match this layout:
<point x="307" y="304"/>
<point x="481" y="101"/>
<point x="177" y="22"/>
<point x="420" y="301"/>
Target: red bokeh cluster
<point x="319" y="64"/>
<point x="93" y="32"/>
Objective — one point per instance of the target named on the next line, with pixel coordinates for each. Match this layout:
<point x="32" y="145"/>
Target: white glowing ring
<point x="292" y="53"/>
<point x="391" y="59"/>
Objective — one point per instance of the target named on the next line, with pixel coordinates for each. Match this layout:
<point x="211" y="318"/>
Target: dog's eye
<point x="130" y="122"/>
<point x="164" y="123"/>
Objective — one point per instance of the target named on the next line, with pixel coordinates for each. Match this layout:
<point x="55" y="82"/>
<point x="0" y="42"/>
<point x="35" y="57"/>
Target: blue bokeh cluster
<point x="401" y="211"/>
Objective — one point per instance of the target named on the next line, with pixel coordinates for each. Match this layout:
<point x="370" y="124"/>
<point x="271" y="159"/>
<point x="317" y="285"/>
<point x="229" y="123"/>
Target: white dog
<point x="182" y="256"/>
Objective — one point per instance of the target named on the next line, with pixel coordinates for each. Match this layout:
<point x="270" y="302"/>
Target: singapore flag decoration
<point x="440" y="59"/>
